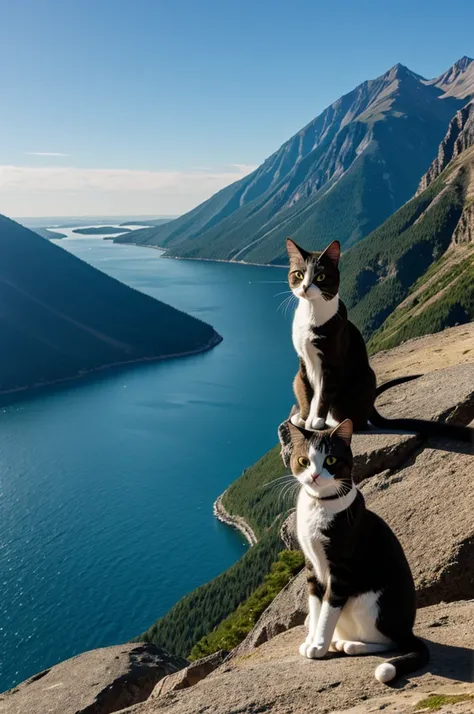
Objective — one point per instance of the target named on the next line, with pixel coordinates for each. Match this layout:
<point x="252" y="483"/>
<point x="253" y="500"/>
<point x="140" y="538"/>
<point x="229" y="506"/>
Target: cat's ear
<point x="344" y="431"/>
<point x="333" y="252"/>
<point x="296" y="254"/>
<point x="284" y="434"/>
<point x="288" y="434"/>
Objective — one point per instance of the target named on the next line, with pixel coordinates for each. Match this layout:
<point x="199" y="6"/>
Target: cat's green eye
<point x="320" y="277"/>
<point x="331" y="460"/>
<point x="303" y="461"/>
<point x="299" y="275"/>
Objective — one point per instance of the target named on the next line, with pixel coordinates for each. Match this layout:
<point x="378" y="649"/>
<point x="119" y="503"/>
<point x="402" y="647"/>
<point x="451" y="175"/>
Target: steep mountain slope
<point x="60" y="318"/>
<point x="415" y="273"/>
<point x="338" y="178"/>
<point x="458" y="80"/>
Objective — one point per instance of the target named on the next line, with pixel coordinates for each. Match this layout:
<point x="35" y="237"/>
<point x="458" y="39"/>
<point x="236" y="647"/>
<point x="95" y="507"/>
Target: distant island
<point x="49" y="235"/>
<point x="152" y="222"/>
<point x="100" y="230"/>
<point x="62" y="319"/>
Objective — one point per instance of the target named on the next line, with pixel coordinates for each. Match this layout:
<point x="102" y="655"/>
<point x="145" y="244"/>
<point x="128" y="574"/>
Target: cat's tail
<point x="395" y="382"/>
<point x="416" y="655"/>
<point x="424" y="428"/>
<point x="420" y="426"/>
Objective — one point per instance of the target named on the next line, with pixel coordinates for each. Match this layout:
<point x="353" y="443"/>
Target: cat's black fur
<point x="348" y="382"/>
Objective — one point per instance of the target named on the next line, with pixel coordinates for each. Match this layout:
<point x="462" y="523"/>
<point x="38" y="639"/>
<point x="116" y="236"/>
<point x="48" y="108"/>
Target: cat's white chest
<point x="311" y="520"/>
<point x="303" y="345"/>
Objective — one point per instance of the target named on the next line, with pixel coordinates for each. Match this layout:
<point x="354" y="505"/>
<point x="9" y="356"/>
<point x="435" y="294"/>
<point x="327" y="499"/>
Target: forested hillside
<point x="414" y="274"/>
<point x="196" y="614"/>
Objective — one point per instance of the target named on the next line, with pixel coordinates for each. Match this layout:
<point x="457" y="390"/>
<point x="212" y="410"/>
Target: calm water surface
<point x="106" y="487"/>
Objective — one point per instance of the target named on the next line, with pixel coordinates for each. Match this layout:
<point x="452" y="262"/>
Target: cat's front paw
<point x="315" y="651"/>
<point x="304" y="646"/>
<point x="312" y="650"/>
<point x="315" y="423"/>
<point x="296" y="420"/>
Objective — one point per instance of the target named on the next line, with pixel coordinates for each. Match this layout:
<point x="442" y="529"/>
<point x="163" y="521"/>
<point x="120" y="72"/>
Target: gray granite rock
<point x="97" y="682"/>
<point x="190" y="675"/>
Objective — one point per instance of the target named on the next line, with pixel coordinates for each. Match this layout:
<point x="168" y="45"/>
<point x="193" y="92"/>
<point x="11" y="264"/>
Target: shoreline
<point x="203" y="260"/>
<point x="237" y="522"/>
<point x="213" y="342"/>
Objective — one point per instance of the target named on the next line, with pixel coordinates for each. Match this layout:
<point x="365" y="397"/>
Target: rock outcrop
<point x="464" y="233"/>
<point x="289" y="609"/>
<point x="275" y="678"/>
<point x="459" y="137"/>
<point x="96" y="682"/>
<point x="190" y="675"/>
<point x="430" y="506"/>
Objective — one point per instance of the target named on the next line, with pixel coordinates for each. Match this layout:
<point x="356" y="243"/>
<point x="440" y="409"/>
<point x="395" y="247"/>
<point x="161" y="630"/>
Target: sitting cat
<point x="335" y="380"/>
<point x="361" y="590"/>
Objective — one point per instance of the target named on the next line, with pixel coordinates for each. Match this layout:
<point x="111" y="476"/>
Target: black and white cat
<point x="335" y="380"/>
<point x="361" y="590"/>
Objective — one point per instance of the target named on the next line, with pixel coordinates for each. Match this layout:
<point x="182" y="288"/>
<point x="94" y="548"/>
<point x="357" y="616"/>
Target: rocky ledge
<point x="97" y="682"/>
<point x="275" y="678"/>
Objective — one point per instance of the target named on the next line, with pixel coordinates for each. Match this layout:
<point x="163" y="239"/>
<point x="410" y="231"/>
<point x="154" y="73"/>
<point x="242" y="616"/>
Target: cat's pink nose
<point x="315" y="476"/>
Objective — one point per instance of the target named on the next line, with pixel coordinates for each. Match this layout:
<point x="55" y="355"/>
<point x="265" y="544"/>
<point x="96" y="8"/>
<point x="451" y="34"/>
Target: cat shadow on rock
<point x="447" y="661"/>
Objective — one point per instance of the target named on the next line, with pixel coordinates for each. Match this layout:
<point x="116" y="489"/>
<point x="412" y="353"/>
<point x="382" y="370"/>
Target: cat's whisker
<point x="289" y="493"/>
<point x="289" y="303"/>
<point x="283" y="302"/>
<point x="278" y="482"/>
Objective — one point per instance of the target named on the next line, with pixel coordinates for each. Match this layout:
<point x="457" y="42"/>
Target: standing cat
<point x="335" y="381"/>
<point x="361" y="590"/>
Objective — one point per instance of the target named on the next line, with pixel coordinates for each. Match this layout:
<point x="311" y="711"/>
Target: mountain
<point x="338" y="178"/>
<point x="60" y="318"/>
<point x="458" y="80"/>
<point x="415" y="273"/>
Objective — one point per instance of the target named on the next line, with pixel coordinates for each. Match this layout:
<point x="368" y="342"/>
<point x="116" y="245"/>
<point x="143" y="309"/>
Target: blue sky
<point x="158" y="103"/>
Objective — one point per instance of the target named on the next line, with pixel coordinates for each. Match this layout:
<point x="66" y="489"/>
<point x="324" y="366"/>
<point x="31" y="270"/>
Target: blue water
<point x="106" y="487"/>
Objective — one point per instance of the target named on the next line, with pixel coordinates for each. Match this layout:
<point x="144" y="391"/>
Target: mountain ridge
<point x="339" y="177"/>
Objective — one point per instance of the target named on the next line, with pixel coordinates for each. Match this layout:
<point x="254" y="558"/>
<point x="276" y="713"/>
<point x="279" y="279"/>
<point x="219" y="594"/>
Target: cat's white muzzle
<point x="312" y="293"/>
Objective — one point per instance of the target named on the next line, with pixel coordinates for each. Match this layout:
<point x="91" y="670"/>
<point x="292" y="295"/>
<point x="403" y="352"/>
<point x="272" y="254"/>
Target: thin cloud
<point x="45" y="153"/>
<point x="53" y="190"/>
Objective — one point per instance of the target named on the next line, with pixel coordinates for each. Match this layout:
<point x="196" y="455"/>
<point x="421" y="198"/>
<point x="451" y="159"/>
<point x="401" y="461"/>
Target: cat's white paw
<point x="316" y="651"/>
<point x="315" y="423"/>
<point x="296" y="420"/>
<point x="338" y="645"/>
<point x="303" y="648"/>
<point x="352" y="648"/>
